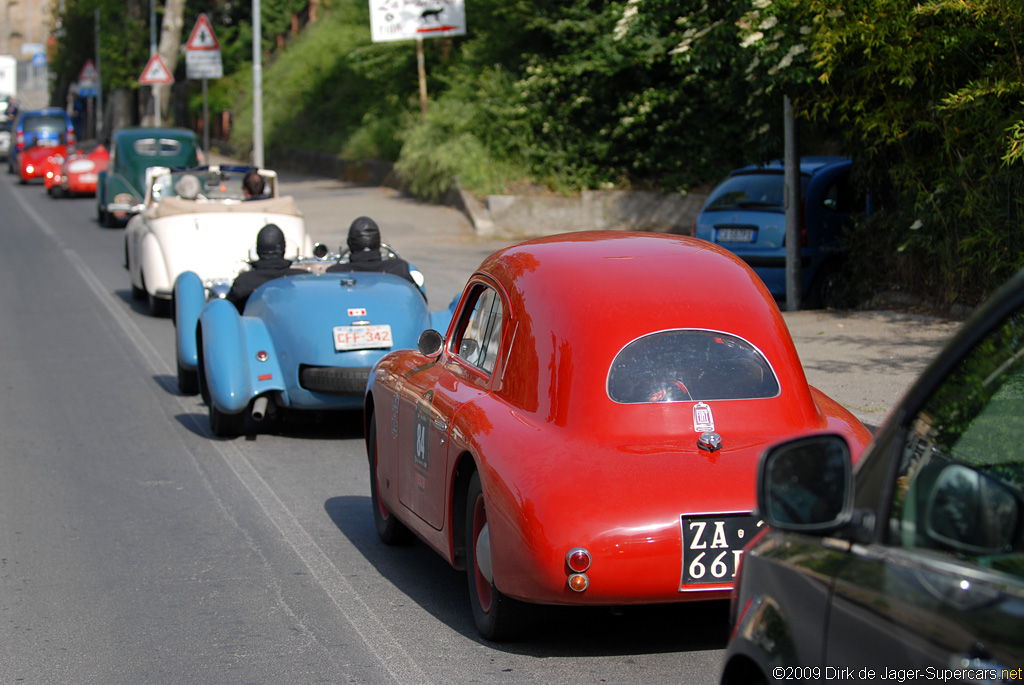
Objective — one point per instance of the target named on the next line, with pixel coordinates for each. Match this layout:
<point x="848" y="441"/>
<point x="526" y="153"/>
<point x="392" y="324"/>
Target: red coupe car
<point x="589" y="430"/>
<point x="34" y="160"/>
<point x="75" y="173"/>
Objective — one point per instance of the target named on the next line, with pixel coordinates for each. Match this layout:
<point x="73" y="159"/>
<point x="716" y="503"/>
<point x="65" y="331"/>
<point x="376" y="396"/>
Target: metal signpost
<point x="99" y="78"/>
<point x="414" y="19"/>
<point x="203" y="61"/>
<point x="257" y="85"/>
<point x="89" y="88"/>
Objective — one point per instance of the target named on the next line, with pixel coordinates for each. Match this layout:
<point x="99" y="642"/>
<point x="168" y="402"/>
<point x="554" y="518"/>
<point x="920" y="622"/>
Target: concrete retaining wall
<point x="523" y="215"/>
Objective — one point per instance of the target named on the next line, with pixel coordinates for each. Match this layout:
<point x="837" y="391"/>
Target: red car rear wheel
<point x="390" y="530"/>
<point x="497" y="617"/>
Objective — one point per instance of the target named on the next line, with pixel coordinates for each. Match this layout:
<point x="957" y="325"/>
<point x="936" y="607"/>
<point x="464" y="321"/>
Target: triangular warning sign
<point x="156" y="72"/>
<point x="89" y="72"/>
<point x="202" y="37"/>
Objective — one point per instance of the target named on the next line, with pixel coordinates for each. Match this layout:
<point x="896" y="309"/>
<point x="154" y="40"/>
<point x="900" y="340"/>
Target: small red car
<point x="588" y="431"/>
<point x="34" y="160"/>
<point x="76" y="173"/>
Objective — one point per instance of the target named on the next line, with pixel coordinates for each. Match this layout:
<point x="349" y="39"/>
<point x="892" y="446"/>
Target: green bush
<point x="666" y="94"/>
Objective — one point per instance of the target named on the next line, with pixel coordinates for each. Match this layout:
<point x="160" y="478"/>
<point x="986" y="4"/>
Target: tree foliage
<point x="926" y="95"/>
<point x="121" y="59"/>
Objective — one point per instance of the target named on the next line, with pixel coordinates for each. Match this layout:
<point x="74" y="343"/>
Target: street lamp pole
<point x="257" y="86"/>
<point x="154" y="89"/>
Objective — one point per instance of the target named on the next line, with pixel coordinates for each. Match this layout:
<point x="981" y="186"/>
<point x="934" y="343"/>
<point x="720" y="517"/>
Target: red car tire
<point x="390" y="530"/>
<point x="498" y="618"/>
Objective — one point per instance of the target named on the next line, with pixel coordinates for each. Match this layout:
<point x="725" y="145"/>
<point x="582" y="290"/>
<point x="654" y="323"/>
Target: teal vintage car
<point x="121" y="188"/>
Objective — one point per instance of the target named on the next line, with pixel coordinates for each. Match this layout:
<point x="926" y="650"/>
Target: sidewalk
<point x="863" y="359"/>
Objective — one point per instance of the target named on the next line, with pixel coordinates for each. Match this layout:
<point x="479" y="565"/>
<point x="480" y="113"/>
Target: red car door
<point x="434" y="396"/>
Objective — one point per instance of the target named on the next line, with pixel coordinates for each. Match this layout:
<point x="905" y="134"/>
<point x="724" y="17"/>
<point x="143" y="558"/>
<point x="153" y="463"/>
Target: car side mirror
<point x="971" y="512"/>
<point x="430" y="342"/>
<point x="806" y="485"/>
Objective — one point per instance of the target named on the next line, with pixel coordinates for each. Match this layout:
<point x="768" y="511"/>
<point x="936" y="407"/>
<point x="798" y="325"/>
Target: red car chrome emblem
<point x="703" y="421"/>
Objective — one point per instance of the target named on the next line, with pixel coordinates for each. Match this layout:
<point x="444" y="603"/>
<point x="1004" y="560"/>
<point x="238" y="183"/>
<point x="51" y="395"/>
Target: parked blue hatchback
<point x="746" y="215"/>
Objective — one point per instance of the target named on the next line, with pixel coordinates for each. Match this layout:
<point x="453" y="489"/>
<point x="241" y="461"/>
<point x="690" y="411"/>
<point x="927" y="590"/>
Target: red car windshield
<point x="690" y="365"/>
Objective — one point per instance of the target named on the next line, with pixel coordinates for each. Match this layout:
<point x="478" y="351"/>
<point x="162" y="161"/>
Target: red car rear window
<point x="690" y="365"/>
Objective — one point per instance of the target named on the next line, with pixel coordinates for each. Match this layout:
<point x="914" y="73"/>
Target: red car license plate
<point x="362" y="337"/>
<point x="712" y="546"/>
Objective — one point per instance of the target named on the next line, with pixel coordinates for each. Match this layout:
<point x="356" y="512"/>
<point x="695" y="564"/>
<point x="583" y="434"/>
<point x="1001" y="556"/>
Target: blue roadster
<point x="304" y="342"/>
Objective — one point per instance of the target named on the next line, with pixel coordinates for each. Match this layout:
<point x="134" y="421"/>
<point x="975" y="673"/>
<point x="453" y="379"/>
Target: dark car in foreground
<point x="746" y="214"/>
<point x="910" y="565"/>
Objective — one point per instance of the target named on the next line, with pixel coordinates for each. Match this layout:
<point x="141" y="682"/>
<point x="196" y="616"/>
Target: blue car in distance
<point x="48" y="127"/>
<point x="746" y="214"/>
<point x="304" y="342"/>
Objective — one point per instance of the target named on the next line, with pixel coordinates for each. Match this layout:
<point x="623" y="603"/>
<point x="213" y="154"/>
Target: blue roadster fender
<point x="189" y="298"/>
<point x="230" y="344"/>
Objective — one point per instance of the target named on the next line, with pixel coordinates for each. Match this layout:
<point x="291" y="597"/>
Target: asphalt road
<point x="134" y="547"/>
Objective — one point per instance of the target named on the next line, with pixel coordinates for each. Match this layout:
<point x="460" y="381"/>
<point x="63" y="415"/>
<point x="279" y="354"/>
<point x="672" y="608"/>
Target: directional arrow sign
<point x="447" y="30"/>
<point x="410" y="19"/>
<point x="156" y="72"/>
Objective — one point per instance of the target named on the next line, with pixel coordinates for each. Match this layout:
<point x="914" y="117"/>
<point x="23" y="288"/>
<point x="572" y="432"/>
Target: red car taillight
<point x="578" y="560"/>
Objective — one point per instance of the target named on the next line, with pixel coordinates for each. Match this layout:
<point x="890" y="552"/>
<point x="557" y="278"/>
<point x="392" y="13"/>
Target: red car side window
<point x="478" y="338"/>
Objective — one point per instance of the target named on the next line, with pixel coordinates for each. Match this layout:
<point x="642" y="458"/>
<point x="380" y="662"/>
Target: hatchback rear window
<point x="750" y="191"/>
<point x="46" y="123"/>
<point x="690" y="365"/>
<point x="153" y="147"/>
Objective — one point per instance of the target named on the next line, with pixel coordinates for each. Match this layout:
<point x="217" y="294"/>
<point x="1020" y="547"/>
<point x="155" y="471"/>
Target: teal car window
<point x="157" y="147"/>
<point x="690" y="365"/>
<point x="960" y="484"/>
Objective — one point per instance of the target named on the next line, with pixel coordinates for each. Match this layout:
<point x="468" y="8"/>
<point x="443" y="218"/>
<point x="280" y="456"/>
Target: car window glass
<point x="960" y="486"/>
<point x="758" y="191"/>
<point x="842" y="196"/>
<point x="689" y="365"/>
<point x="748" y="190"/>
<point x="44" y="123"/>
<point x="480" y="337"/>
<point x="152" y="147"/>
<point x="192" y="184"/>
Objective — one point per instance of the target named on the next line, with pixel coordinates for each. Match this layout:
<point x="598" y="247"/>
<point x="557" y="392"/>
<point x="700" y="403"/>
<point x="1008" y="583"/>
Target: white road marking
<point x="388" y="650"/>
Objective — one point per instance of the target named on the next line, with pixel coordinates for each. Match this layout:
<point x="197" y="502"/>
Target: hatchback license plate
<point x="736" y="235"/>
<point x="362" y="337"/>
<point x="712" y="546"/>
